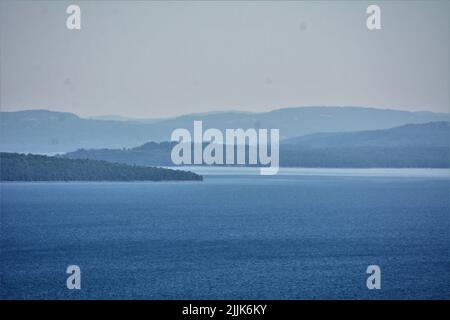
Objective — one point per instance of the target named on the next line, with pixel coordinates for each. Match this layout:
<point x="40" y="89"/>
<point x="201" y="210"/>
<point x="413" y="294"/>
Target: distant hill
<point x="42" y="131"/>
<point x="21" y="167"/>
<point x="417" y="145"/>
<point x="412" y="145"/>
<point x="432" y="134"/>
<point x="148" y="154"/>
<point x="121" y="118"/>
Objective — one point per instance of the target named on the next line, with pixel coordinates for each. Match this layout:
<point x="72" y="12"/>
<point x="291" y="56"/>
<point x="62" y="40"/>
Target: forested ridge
<point x="31" y="167"/>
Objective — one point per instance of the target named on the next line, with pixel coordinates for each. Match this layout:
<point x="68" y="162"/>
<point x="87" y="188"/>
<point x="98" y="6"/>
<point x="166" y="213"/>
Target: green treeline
<point x="30" y="167"/>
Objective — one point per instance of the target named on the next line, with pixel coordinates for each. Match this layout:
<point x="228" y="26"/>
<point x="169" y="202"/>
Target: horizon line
<point x="133" y="118"/>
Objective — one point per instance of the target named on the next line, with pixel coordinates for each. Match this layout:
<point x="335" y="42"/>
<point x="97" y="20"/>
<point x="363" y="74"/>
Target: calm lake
<point x="302" y="234"/>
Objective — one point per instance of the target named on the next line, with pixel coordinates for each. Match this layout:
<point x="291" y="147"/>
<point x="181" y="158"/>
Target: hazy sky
<point x="158" y="59"/>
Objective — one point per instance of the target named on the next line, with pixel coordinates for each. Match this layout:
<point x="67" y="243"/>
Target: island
<point x="32" y="167"/>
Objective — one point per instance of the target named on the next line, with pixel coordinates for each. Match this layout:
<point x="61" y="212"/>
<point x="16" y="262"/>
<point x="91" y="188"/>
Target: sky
<point x="162" y="59"/>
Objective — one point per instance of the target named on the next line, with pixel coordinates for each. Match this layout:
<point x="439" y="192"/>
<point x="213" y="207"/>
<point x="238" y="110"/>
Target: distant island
<point x="30" y="167"/>
<point x="424" y="145"/>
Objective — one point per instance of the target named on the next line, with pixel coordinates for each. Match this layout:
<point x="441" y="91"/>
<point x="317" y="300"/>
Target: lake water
<point x="302" y="234"/>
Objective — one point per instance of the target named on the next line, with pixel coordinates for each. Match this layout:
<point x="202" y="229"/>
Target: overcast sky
<point x="159" y="59"/>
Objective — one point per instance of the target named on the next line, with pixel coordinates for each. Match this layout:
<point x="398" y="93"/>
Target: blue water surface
<point x="232" y="236"/>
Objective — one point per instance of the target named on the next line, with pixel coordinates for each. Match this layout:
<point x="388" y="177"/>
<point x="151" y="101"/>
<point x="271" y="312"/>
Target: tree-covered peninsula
<point x="31" y="167"/>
